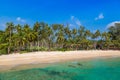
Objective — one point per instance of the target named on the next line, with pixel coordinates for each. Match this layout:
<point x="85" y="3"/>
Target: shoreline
<point x="9" y="61"/>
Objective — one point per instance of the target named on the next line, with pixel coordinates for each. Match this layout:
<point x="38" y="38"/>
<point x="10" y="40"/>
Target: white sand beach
<point x="51" y="57"/>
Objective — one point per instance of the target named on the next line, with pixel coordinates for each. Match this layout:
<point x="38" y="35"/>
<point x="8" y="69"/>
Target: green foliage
<point x="44" y="37"/>
<point x="115" y="31"/>
<point x="42" y="49"/>
<point x="61" y="49"/>
<point x="22" y="52"/>
<point x="3" y="49"/>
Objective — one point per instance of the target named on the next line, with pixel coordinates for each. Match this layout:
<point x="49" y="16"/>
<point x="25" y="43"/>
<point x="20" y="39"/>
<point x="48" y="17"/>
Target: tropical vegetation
<point x="44" y="37"/>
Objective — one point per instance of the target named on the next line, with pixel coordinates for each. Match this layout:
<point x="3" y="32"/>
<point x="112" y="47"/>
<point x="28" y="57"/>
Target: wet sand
<point x="12" y="60"/>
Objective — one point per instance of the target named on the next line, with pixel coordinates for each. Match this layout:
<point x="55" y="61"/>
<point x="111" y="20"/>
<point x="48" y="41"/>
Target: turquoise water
<point x="95" y="69"/>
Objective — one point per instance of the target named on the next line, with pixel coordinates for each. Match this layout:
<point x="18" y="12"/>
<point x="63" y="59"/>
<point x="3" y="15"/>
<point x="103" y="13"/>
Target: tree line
<point x="45" y="37"/>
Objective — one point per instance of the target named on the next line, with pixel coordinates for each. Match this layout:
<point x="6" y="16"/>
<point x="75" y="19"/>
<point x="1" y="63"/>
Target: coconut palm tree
<point x="29" y="35"/>
<point x="49" y="36"/>
<point x="55" y="28"/>
<point x="80" y="36"/>
<point x="96" y="35"/>
<point x="9" y="33"/>
<point x="19" y="37"/>
<point x="60" y="36"/>
<point x="106" y="38"/>
<point x="36" y="29"/>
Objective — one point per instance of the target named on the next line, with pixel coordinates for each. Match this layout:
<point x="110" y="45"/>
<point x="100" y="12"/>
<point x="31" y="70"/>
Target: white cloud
<point x="15" y="20"/>
<point x="112" y="24"/>
<point x="19" y="19"/>
<point x="75" y="21"/>
<point x="72" y="17"/>
<point x="100" y="16"/>
<point x="78" y="22"/>
<point x="71" y="25"/>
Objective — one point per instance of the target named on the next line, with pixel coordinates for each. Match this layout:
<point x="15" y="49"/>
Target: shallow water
<point x="94" y="69"/>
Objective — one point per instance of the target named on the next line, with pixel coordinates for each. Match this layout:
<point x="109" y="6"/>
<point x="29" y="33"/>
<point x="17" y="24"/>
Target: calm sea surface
<point x="94" y="69"/>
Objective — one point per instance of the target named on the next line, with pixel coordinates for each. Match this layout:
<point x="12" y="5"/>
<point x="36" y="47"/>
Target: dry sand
<point x="51" y="57"/>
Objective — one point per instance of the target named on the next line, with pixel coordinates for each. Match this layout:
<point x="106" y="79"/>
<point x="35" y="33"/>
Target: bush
<point x="3" y="49"/>
<point x="36" y="49"/>
<point x="61" y="49"/>
<point x="43" y="49"/>
<point x="22" y="52"/>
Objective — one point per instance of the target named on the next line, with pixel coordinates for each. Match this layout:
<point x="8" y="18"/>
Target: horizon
<point x="92" y="14"/>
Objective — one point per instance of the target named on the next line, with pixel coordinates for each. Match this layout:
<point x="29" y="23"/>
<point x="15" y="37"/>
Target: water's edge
<point x="43" y="65"/>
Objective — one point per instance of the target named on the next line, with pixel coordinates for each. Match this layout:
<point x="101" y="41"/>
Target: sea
<point x="89" y="69"/>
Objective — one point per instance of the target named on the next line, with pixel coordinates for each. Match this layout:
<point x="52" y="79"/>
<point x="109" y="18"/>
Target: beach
<point x="69" y="65"/>
<point x="52" y="57"/>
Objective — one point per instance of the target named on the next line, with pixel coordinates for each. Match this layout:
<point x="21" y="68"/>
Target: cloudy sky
<point x="93" y="14"/>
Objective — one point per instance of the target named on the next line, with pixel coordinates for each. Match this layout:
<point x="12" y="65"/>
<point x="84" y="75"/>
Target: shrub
<point x="43" y="49"/>
<point x="61" y="49"/>
<point x="3" y="49"/>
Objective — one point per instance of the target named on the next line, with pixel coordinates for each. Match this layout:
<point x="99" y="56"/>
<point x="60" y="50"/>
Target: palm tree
<point x="67" y="32"/>
<point x="55" y="28"/>
<point x="107" y="39"/>
<point x="87" y="36"/>
<point x="55" y="36"/>
<point x="29" y="35"/>
<point x="68" y="36"/>
<point x="74" y="32"/>
<point x="74" y="36"/>
<point x="19" y="37"/>
<point x="36" y="29"/>
<point x="60" y="36"/>
<point x="1" y="36"/>
<point x="49" y="36"/>
<point x="114" y="31"/>
<point x="9" y="33"/>
<point x="60" y="39"/>
<point x="81" y="31"/>
<point x="80" y="36"/>
<point x="96" y="36"/>
<point x="3" y="43"/>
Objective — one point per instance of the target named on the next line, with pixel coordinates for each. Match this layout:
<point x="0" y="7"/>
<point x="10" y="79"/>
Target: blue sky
<point x="93" y="14"/>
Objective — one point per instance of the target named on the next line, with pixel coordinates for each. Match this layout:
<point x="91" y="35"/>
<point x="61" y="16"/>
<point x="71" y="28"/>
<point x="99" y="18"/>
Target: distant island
<point x="56" y="37"/>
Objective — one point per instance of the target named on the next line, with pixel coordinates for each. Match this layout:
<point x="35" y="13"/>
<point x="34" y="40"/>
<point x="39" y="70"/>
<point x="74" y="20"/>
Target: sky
<point x="93" y="14"/>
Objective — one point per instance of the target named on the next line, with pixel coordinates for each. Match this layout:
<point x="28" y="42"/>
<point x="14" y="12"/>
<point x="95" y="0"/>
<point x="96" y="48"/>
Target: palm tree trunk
<point x="38" y="41"/>
<point x="8" y="50"/>
<point x="31" y="46"/>
<point x="49" y="45"/>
